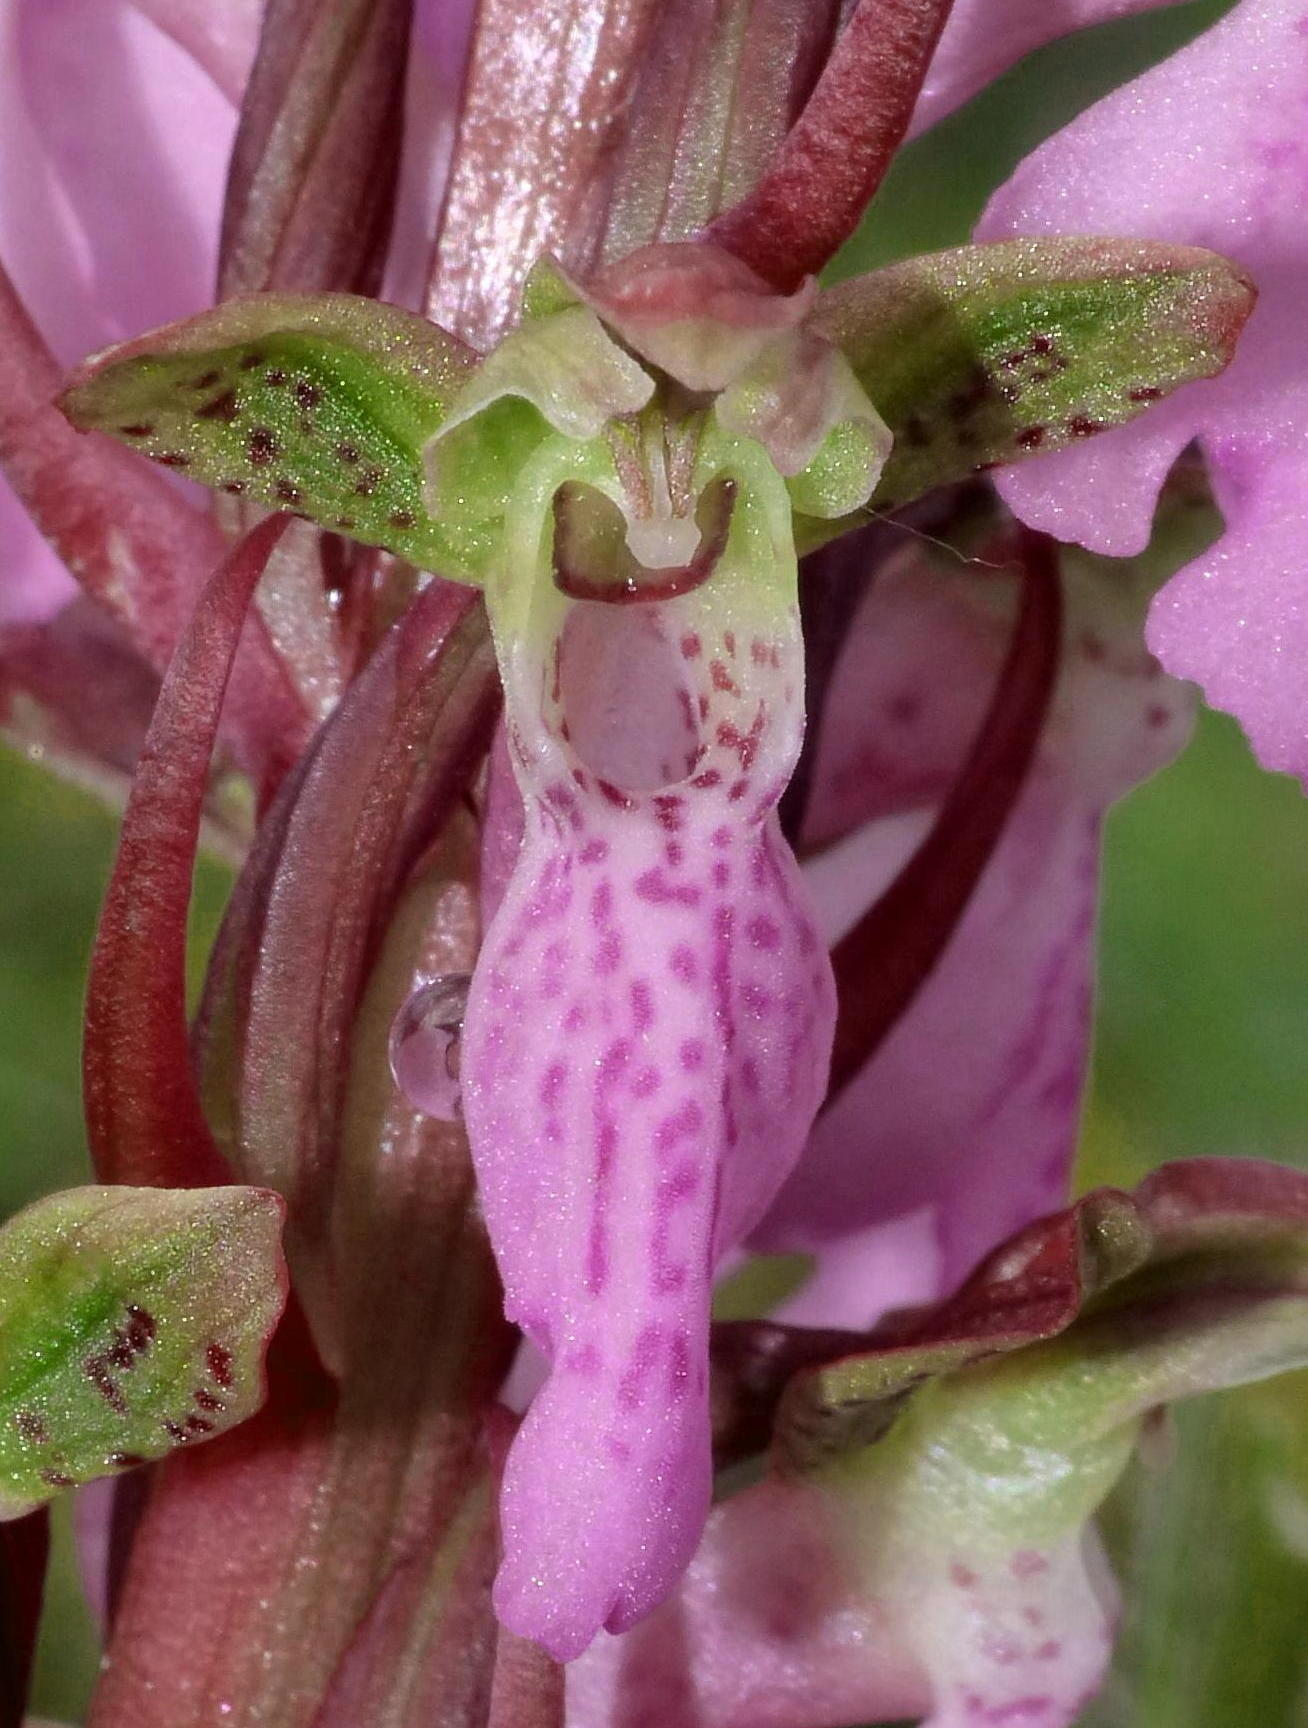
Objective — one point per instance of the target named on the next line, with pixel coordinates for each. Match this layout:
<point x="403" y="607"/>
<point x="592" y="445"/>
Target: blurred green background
<point x="1203" y="1002"/>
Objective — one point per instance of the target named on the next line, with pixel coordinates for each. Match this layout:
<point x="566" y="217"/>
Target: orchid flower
<point x="653" y="983"/>
<point x="625" y="414"/>
<point x="838" y="1590"/>
<point x="1226" y="172"/>
<point x="905" y="700"/>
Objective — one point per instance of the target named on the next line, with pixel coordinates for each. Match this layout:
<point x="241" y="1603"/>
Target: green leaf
<point x="989" y="354"/>
<point x="132" y="1320"/>
<point x="317" y="404"/>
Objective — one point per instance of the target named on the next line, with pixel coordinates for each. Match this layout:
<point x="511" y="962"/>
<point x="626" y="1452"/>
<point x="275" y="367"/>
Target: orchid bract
<point x="664" y="757"/>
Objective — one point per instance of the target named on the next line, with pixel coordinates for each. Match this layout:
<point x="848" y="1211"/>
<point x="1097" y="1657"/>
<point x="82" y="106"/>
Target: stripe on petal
<point x="644" y="1049"/>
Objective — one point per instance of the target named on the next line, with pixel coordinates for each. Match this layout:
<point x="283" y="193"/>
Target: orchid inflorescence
<point x="666" y="756"/>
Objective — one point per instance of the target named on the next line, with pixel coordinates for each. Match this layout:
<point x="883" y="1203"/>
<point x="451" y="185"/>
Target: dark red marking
<point x="262" y="446"/>
<point x="99" y="1376"/>
<point x="218" y="1359"/>
<point x="670" y="810"/>
<point x="142" y="1325"/>
<point x="223" y="407"/>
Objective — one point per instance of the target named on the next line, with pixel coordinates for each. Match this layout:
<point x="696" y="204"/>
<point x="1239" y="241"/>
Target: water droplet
<point x="424" y="1045"/>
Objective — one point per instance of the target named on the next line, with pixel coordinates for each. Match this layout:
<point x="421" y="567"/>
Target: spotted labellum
<point x="641" y="734"/>
<point x="626" y="475"/>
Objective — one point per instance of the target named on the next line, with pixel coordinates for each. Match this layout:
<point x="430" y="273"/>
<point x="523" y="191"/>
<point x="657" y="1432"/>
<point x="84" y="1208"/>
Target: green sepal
<point x="1196" y="1281"/>
<point x="547" y="290"/>
<point x="321" y="404"/>
<point x="844" y="1405"/>
<point x="132" y="1321"/>
<point x="559" y="372"/>
<point x="989" y="354"/>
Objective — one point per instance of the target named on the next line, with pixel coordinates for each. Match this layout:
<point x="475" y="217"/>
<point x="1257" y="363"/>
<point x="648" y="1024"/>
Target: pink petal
<point x="34" y="584"/>
<point x="222" y="38"/>
<point x="644" y="1048"/>
<point x="922" y="1546"/>
<point x="1207" y="148"/>
<point x="770" y="1629"/>
<point x="502" y="827"/>
<point x="985" y="37"/>
<point x="105" y="225"/>
<point x="962" y="1127"/>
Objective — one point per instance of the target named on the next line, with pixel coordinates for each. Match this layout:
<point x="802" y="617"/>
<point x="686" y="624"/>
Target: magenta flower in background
<point x="1227" y="171"/>
<point x="549" y="1035"/>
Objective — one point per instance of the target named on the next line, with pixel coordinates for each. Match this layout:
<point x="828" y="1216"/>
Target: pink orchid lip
<point x="645" y="1041"/>
<point x="593" y="559"/>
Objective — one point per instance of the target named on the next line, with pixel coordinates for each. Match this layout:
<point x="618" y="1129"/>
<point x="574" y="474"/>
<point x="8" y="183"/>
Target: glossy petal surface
<point x="644" y="1047"/>
<point x="88" y="91"/>
<point x="962" y="1126"/>
<point x="1205" y="148"/>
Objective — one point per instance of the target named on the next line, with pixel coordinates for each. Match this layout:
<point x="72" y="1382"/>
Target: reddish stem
<point x="828" y="167"/>
<point x="885" y="959"/>
<point x="143" y="1113"/>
